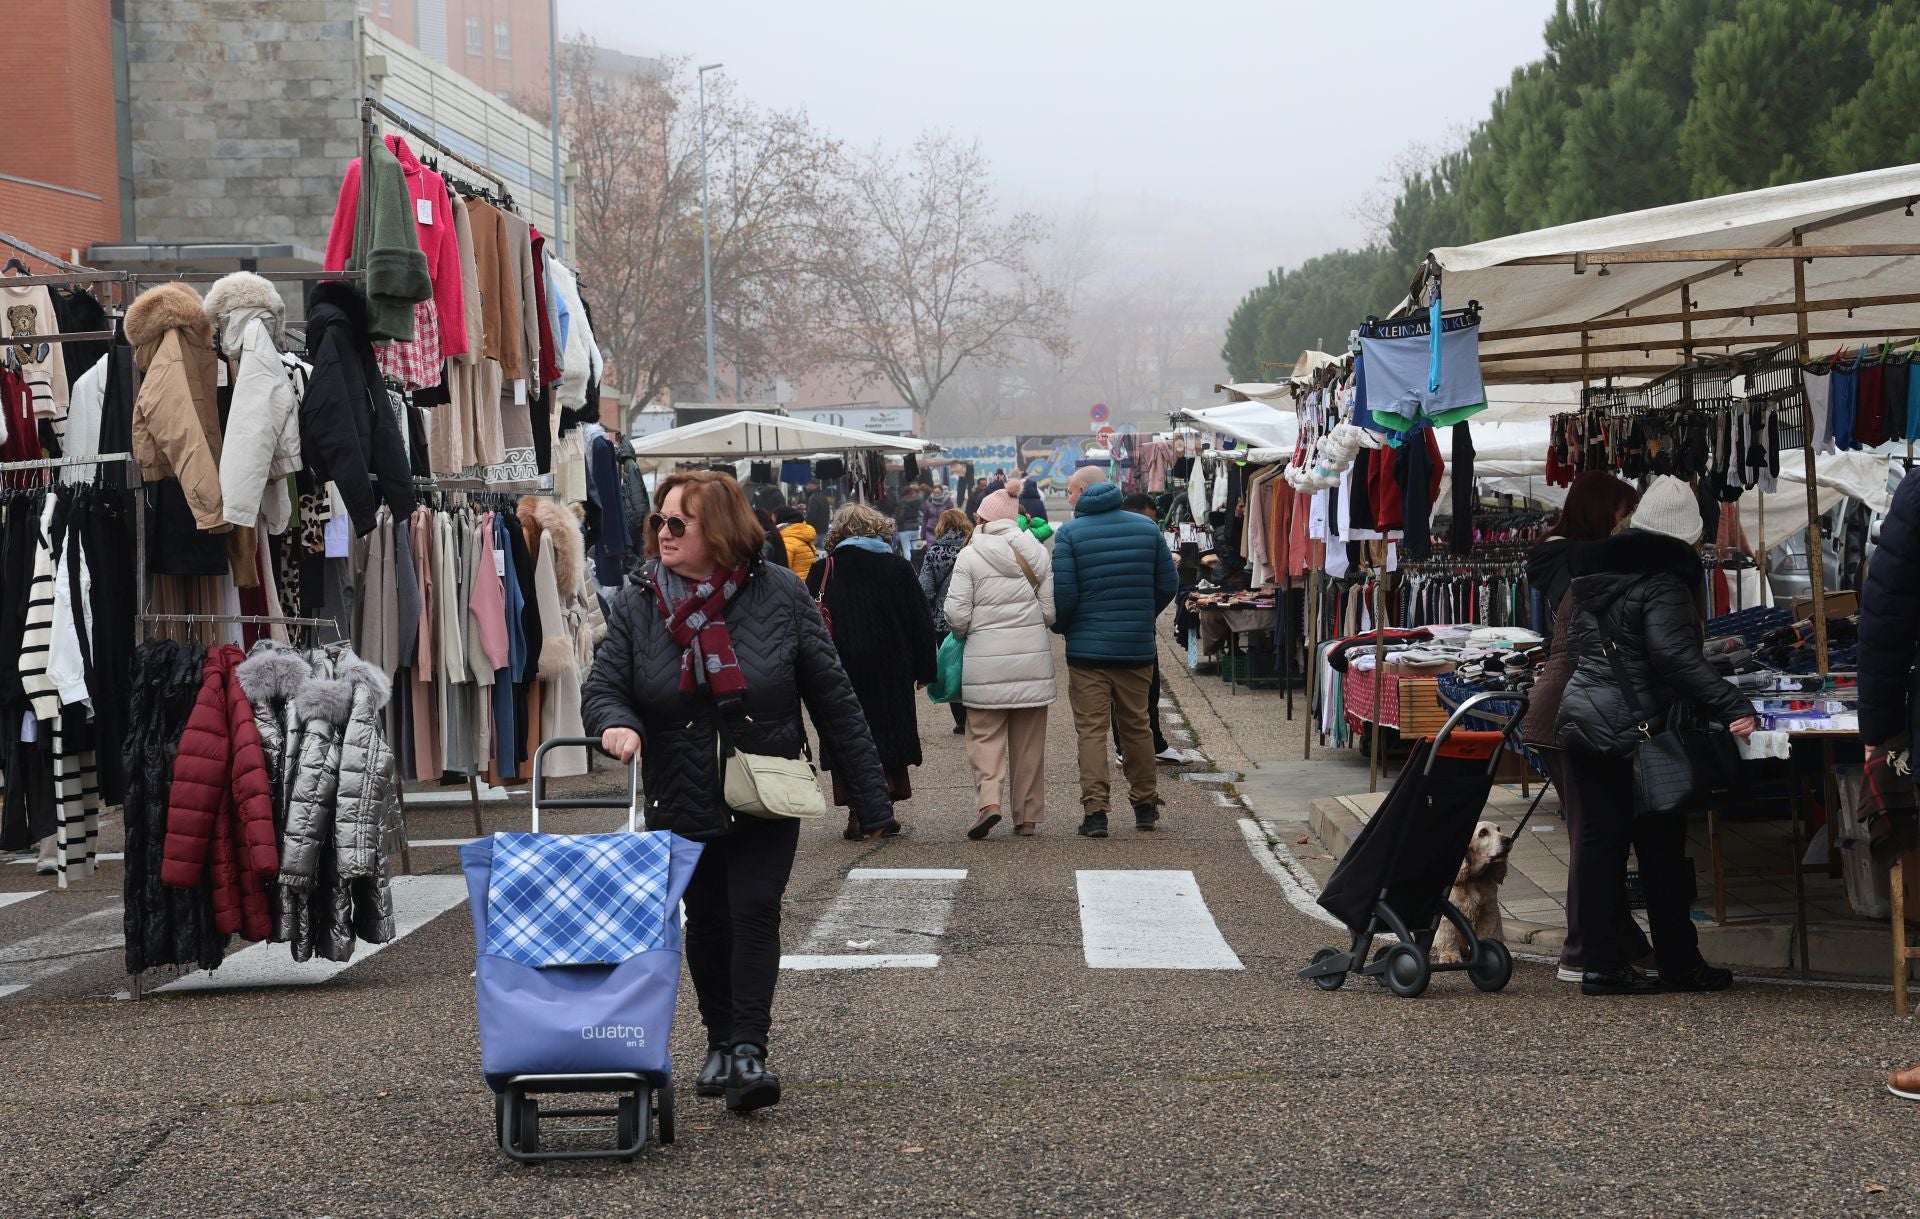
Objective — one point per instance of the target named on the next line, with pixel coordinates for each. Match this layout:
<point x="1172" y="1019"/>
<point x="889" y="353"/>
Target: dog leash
<point x="1544" y="785"/>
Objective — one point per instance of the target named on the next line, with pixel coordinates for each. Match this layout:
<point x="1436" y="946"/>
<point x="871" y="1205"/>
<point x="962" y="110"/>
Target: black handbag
<point x="1681" y="767"/>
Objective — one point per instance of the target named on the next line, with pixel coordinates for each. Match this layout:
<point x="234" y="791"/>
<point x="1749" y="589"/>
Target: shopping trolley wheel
<point x="1328" y="981"/>
<point x="663" y="1112"/>
<point x="626" y="1123"/>
<point x="1492" y="966"/>
<point x="1407" y="972"/>
<point x="526" y="1134"/>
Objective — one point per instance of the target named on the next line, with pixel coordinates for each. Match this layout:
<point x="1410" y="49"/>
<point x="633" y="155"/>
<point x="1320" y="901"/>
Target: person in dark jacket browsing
<point x="1636" y="596"/>
<point x="710" y="632"/>
<point x="1112" y="575"/>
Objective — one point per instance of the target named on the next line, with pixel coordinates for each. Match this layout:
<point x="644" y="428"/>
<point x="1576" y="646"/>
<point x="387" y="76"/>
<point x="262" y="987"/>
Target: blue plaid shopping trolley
<point x="578" y="970"/>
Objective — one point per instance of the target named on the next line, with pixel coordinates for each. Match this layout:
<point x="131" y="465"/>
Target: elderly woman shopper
<point x="1001" y="603"/>
<point x="710" y="638"/>
<point x="1637" y="615"/>
<point x="1598" y="506"/>
<point x="936" y="572"/>
<point x="884" y="632"/>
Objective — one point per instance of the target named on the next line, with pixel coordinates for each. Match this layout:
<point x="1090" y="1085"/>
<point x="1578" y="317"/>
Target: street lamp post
<point x="553" y="126"/>
<point x="706" y="243"/>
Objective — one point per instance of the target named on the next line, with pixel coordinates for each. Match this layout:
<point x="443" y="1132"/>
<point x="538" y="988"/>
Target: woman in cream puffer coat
<point x="1003" y="610"/>
<point x="335" y="800"/>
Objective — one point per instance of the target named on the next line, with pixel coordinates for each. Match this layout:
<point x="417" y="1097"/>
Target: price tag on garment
<point x="520" y="392"/>
<point x="423" y="210"/>
<point x="220" y="374"/>
<point x="500" y="563"/>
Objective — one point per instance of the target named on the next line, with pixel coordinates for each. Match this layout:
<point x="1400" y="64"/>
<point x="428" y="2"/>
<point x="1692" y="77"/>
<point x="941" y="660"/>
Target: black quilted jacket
<point x="1637" y="587"/>
<point x="1890" y="624"/>
<point x="788" y="660"/>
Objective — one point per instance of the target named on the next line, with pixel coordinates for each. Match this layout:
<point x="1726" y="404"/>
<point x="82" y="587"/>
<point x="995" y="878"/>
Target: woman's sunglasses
<point x="675" y="526"/>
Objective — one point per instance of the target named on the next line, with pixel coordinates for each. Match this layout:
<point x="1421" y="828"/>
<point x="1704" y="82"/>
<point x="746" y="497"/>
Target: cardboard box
<point x="1843" y="604"/>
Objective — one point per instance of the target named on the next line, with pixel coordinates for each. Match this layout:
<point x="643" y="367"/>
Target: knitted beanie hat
<point x="1000" y="506"/>
<point x="1669" y="507"/>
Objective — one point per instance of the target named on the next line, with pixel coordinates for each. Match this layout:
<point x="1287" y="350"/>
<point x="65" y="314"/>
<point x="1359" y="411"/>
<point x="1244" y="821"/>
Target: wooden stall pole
<point x="1897" y="891"/>
<point x="1816" y="568"/>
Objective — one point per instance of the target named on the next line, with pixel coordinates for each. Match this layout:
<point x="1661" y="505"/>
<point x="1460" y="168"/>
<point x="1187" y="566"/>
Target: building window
<point x="386" y="8"/>
<point x="502" y="40"/>
<point x="474" y="45"/>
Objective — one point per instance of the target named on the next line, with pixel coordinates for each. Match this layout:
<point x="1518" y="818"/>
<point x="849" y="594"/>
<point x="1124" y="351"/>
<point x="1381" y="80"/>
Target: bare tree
<point x="916" y="275"/>
<point x="637" y="142"/>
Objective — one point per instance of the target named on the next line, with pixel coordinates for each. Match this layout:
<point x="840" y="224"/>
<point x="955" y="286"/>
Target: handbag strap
<point x="1620" y="676"/>
<point x="1025" y="567"/>
<point x="824" y="577"/>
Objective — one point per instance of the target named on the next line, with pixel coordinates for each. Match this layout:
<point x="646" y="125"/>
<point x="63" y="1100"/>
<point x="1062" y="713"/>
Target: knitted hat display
<point x="1000" y="506"/>
<point x="1668" y="507"/>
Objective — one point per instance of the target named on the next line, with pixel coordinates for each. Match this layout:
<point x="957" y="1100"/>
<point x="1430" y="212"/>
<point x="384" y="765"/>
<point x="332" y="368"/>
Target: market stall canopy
<point x="745" y="434"/>
<point x="1505" y="403"/>
<point x="1859" y="474"/>
<point x="1717" y="273"/>
<point x="1251" y="423"/>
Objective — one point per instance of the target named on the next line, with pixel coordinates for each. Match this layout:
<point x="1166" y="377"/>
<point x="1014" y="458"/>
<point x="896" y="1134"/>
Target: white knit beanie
<point x="1669" y="507"/>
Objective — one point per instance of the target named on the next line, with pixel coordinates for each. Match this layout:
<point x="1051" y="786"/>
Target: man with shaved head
<point x="1112" y="575"/>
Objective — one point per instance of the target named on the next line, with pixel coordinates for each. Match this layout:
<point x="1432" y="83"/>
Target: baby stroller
<point x="578" y="970"/>
<point x="1396" y="876"/>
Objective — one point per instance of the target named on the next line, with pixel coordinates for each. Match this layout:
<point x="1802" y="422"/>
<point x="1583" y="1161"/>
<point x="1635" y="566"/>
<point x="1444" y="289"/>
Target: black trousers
<point x="1607" y="828"/>
<point x="1573" y="951"/>
<point x="1153" y="716"/>
<point x="733" y="928"/>
<point x="959" y="710"/>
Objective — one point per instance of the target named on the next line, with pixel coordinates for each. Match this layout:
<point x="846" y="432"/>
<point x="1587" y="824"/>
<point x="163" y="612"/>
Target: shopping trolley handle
<point x="1464" y="709"/>
<point x="541" y="801"/>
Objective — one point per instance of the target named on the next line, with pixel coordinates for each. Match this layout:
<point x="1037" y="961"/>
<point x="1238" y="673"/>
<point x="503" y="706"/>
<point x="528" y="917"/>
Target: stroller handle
<point x="1461" y="712"/>
<point x="541" y="801"/>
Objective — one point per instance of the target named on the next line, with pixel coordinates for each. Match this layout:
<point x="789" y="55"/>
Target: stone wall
<point x="244" y="116"/>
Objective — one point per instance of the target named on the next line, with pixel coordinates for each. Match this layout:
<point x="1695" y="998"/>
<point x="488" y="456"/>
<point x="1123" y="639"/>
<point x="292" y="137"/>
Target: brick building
<point x="500" y="45"/>
<point x="60" y="186"/>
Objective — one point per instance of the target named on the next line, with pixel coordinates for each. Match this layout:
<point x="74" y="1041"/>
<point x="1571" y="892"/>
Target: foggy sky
<point x="1222" y="136"/>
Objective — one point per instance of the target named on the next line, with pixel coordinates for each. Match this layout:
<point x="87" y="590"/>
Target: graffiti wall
<point x="989" y="455"/>
<point x="1051" y="460"/>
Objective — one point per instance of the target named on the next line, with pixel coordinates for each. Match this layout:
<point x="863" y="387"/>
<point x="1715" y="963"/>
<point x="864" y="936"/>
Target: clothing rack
<point x="372" y="107"/>
<point x="254" y="619"/>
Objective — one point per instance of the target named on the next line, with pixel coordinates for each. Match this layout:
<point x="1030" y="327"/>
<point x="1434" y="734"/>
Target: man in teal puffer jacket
<point x="1112" y="575"/>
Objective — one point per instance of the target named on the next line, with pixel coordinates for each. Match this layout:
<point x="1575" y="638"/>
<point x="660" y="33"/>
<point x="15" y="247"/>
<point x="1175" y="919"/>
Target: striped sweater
<point x="36" y="644"/>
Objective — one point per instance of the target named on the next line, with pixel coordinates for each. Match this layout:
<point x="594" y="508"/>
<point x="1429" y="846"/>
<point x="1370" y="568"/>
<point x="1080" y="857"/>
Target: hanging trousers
<point x="733" y="928"/>
<point x="1010" y="743"/>
<point x="1101" y="698"/>
<point x="1608" y="828"/>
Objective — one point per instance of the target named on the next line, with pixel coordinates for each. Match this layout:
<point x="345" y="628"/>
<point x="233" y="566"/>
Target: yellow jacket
<point x="799" y="538"/>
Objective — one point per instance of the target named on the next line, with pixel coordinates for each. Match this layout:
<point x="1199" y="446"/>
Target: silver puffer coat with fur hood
<point x="335" y="797"/>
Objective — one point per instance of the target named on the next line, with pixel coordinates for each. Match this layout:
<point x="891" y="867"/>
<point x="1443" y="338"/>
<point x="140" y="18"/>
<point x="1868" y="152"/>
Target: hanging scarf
<point x="698" y="624"/>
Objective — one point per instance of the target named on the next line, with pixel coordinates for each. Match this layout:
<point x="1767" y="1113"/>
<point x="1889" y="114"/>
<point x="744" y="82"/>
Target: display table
<point x="1224" y="625"/>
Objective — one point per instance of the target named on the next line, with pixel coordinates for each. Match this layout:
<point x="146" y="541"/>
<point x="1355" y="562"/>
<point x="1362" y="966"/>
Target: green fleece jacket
<point x="387" y="247"/>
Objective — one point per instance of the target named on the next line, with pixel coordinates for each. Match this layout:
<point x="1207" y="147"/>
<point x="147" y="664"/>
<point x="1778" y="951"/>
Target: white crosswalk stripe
<point x="1149" y="920"/>
<point x="14" y="899"/>
<point x="882" y="918"/>
<point x="52" y="953"/>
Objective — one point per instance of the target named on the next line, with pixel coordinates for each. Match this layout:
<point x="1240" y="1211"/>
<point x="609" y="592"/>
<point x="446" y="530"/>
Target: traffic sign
<point x="1105" y="435"/>
<point x="1099" y="412"/>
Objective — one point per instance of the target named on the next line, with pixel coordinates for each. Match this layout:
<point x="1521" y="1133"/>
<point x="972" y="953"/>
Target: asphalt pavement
<point x="1008" y="1076"/>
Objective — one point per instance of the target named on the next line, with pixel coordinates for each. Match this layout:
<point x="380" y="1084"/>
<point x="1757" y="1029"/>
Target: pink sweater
<point x="437" y="240"/>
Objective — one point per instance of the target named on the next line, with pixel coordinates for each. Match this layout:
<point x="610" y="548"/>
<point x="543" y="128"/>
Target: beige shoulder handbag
<point x="761" y="785"/>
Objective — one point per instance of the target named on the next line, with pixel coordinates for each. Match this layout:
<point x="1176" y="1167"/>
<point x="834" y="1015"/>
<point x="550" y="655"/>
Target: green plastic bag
<point x="946" y="681"/>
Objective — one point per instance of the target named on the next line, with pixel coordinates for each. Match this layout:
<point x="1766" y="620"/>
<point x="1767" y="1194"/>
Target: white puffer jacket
<point x="1004" y="620"/>
<point x="262" y="443"/>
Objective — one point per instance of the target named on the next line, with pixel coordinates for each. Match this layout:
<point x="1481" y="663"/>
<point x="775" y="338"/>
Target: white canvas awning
<point x="1620" y="279"/>
<point x="750" y="434"/>
<point x="1255" y="424"/>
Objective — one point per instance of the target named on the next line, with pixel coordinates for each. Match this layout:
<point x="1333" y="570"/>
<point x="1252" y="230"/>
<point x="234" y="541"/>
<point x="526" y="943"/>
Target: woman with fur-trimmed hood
<point x="262" y="444"/>
<point x="335" y="794"/>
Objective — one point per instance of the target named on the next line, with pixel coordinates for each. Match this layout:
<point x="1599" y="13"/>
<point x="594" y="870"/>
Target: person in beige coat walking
<point x="1000" y="601"/>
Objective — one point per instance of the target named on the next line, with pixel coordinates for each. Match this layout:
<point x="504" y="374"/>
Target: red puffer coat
<point x="220" y="805"/>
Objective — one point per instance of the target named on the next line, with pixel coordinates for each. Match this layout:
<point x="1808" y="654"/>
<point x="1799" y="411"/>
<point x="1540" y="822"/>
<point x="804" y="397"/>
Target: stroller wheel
<point x="1407" y="972"/>
<point x="663" y="1109"/>
<point x="1330" y="981"/>
<point x="1492" y="966"/>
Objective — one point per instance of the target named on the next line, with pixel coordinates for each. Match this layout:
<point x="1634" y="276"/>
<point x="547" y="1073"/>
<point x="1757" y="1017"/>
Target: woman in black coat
<point x="1638" y="595"/>
<point x="884" y="632"/>
<point x="710" y="634"/>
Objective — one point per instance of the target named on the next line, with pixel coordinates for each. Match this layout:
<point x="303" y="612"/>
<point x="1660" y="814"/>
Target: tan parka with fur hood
<point x="562" y="584"/>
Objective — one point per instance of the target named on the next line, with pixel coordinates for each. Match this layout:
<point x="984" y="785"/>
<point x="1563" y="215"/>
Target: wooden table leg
<point x="1800" y="886"/>
<point x="1897" y="885"/>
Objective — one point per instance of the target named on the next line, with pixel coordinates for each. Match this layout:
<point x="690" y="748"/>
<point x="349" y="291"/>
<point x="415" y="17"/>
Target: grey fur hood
<point x="331" y="698"/>
<point x="272" y="672"/>
<point x="238" y="299"/>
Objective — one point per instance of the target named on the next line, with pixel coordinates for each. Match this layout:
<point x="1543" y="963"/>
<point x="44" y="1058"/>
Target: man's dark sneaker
<point x="1093" y="825"/>
<point x="750" y="1085"/>
<point x="713" y="1076"/>
<point x="1146" y="817"/>
<point x="1623" y="981"/>
<point x="1700" y="977"/>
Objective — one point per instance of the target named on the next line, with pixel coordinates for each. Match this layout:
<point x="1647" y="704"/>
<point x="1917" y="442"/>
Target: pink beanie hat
<point x="1000" y="506"/>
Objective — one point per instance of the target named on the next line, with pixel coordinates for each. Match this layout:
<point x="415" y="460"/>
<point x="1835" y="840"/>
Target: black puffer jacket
<point x="1890" y="623"/>
<point x="349" y="434"/>
<point x="787" y="658"/>
<point x="1639" y="587"/>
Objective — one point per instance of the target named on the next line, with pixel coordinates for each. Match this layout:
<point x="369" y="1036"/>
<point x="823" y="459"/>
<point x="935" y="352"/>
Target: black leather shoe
<point x="750" y="1085"/>
<point x="1146" y="817"/>
<point x="1093" y="825"/>
<point x="713" y="1076"/>
<point x="1623" y="981"/>
<point x="1701" y="977"/>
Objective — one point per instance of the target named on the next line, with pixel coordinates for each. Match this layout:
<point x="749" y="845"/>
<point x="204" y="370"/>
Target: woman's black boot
<point x="750" y="1085"/>
<point x="713" y="1076"/>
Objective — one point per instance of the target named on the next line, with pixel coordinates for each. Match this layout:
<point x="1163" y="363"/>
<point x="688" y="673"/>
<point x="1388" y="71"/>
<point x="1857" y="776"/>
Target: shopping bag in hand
<point x="946" y="681"/>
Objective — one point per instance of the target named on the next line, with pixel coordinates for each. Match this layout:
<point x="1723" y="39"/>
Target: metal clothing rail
<point x="372" y="107"/>
<point x="252" y="619"/>
<point x="51" y="463"/>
